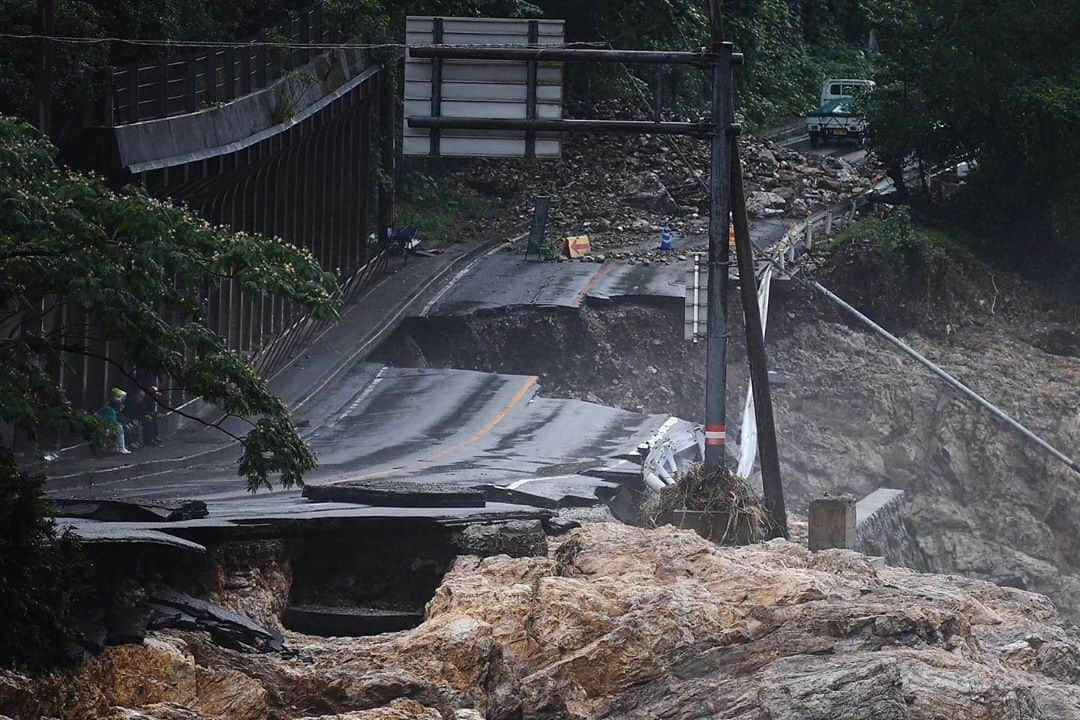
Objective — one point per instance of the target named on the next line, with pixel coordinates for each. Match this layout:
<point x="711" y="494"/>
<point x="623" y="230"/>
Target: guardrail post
<point x="189" y="86"/>
<point x="108" y="98"/>
<point x="133" y="93"/>
<point x="230" y="74"/>
<point x="245" y="71"/>
<point x="211" y="77"/>
<point x="163" y="87"/>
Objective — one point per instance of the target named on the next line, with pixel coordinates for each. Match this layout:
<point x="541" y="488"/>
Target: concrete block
<point x="832" y="523"/>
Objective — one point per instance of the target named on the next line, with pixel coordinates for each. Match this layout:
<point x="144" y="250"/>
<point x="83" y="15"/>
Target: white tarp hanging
<point x="748" y="431"/>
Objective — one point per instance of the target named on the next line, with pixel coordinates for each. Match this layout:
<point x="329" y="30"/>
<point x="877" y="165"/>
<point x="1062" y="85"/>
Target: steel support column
<point x="720" y="203"/>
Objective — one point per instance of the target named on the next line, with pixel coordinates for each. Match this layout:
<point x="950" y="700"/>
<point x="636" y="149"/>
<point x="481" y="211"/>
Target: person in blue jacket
<point x="113" y="415"/>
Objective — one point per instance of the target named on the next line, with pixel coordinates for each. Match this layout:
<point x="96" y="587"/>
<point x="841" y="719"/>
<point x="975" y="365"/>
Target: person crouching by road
<point x="117" y="423"/>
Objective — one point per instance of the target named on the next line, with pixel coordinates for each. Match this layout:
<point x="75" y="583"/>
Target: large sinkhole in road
<point x="627" y="354"/>
<point x="851" y="415"/>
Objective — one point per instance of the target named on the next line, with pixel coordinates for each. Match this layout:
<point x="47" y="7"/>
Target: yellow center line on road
<point x="491" y="425"/>
<point x="580" y="298"/>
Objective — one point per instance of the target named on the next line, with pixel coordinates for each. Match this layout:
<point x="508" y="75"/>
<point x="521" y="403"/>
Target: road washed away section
<point x="424" y="444"/>
<point x="432" y="444"/>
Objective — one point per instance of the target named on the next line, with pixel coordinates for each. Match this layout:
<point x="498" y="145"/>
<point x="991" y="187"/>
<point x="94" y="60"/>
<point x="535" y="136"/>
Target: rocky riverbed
<point x="621" y="622"/>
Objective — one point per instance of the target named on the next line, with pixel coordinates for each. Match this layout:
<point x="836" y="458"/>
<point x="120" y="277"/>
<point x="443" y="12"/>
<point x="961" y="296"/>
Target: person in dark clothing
<point x="145" y="408"/>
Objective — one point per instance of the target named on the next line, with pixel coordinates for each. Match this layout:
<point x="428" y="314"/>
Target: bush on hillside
<point x="41" y="574"/>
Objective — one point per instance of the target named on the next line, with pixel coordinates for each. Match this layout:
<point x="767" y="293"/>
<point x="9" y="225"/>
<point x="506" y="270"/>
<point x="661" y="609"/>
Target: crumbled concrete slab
<point x="97" y="532"/>
<point x="554" y="492"/>
<point x="128" y="510"/>
<point x="229" y="629"/>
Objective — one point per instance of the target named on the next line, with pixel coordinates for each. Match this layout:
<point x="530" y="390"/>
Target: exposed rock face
<point x="623" y="622"/>
<point x="252" y="578"/>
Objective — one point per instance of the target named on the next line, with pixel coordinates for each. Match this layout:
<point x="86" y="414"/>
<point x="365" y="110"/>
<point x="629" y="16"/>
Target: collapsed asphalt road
<point x="424" y="429"/>
<point x="448" y="427"/>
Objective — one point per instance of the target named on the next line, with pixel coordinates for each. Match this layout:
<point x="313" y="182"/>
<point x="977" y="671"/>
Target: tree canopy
<point x="790" y="45"/>
<point x="138" y="266"/>
<point x="996" y="83"/>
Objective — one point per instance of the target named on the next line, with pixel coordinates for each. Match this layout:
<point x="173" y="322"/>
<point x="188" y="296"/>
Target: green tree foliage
<point x="791" y="45"/>
<point x="138" y="265"/>
<point x="996" y="83"/>
<point x="41" y="574"/>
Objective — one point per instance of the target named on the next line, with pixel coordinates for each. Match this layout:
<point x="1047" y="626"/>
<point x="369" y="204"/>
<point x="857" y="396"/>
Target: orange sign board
<point x="577" y="246"/>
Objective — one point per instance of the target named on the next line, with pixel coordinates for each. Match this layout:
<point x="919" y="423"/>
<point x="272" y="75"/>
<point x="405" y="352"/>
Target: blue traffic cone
<point x="665" y="238"/>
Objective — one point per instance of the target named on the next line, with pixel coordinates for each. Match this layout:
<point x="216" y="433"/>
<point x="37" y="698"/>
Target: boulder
<point x="787" y="192"/>
<point x="647" y="192"/>
<point x="761" y="201"/>
<point x="765" y="157"/>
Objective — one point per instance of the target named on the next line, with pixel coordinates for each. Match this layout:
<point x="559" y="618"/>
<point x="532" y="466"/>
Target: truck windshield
<point x="845" y="89"/>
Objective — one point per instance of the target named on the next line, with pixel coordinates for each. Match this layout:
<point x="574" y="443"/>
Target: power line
<point x="286" y="45"/>
<point x="70" y="40"/>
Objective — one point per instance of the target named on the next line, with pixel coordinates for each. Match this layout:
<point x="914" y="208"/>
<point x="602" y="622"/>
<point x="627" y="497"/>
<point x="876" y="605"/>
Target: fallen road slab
<point x="388" y="493"/>
<point x="98" y="532"/>
<point x="127" y="510"/>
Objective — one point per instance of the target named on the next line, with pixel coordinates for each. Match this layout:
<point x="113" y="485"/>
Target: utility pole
<point x="755" y="352"/>
<point x="720" y="212"/>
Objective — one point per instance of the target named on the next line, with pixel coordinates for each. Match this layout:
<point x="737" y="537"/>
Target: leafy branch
<point x="135" y="269"/>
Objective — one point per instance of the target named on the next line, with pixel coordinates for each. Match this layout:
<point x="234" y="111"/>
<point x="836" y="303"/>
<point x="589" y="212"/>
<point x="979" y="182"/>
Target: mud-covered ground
<point x="852" y="413"/>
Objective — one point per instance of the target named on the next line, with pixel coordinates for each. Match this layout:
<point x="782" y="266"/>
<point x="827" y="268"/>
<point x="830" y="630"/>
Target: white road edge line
<point x="303" y="401"/>
<point x="462" y="273"/>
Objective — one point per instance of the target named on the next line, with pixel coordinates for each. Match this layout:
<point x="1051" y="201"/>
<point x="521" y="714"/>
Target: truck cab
<point x="835" y="118"/>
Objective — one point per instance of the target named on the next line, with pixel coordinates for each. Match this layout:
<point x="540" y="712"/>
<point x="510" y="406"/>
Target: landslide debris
<point x="621" y="191"/>
<point x="852" y="414"/>
<point x="623" y="622"/>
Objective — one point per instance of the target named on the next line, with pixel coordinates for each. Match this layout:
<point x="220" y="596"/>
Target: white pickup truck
<point x="835" y="117"/>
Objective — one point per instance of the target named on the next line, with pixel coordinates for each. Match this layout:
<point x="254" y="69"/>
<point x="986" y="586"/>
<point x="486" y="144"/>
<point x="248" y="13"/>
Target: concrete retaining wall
<point x="884" y="529"/>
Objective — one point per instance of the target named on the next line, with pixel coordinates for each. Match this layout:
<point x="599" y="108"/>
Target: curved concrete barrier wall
<point x="166" y="142"/>
<point x="884" y="529"/>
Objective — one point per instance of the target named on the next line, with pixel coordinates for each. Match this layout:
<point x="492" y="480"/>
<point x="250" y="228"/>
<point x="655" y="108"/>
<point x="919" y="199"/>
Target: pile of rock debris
<point x="623" y="191"/>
